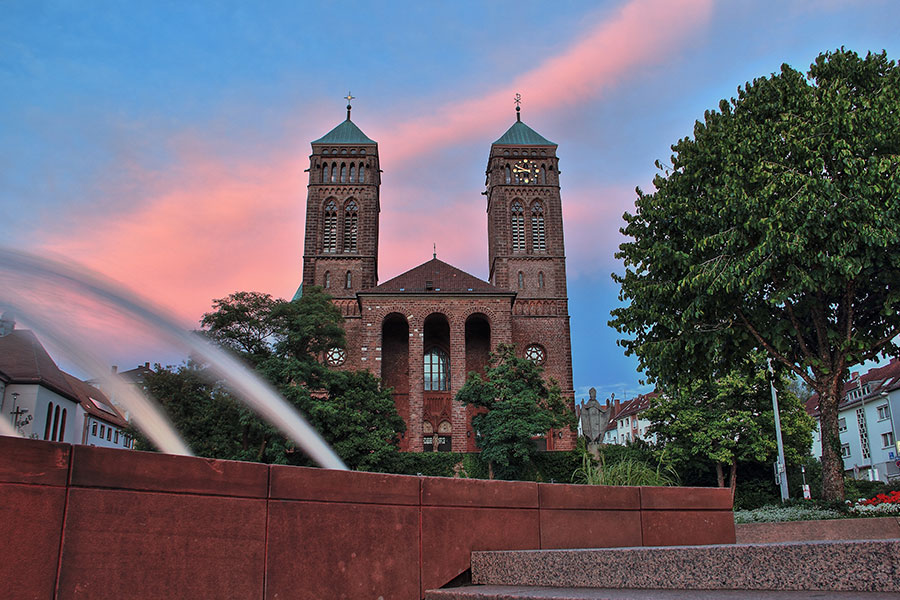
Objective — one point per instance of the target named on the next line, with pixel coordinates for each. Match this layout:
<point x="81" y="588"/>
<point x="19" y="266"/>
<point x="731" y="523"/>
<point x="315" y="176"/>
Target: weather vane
<point x="435" y="250"/>
<point x="518" y="108"/>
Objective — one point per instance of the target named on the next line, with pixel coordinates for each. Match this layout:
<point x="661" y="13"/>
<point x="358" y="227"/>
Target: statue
<point x="594" y="420"/>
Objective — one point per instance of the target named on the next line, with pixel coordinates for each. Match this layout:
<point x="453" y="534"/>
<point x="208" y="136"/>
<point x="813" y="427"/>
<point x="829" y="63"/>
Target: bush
<point x="431" y="464"/>
<point x="854" y="489"/>
<point x="627" y="470"/>
<point x="774" y="514"/>
<point x="755" y="493"/>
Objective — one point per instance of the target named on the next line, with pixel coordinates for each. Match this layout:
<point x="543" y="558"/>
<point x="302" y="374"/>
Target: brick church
<point x="423" y="331"/>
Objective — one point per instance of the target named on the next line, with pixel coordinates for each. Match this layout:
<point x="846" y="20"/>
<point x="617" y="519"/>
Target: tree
<point x="520" y="406"/>
<point x="730" y="420"/>
<point x="285" y="342"/>
<point x="775" y="228"/>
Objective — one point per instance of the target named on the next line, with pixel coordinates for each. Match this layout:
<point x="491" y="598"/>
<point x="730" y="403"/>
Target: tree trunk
<point x="262" y="448"/>
<point x="720" y="475"/>
<point x="832" y="462"/>
<point x="732" y="477"/>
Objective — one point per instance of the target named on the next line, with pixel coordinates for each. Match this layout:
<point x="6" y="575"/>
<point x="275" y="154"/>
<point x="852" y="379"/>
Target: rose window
<point x="336" y="357"/>
<point x="535" y="353"/>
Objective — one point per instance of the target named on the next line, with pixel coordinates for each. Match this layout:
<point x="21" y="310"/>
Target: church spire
<point x="349" y="97"/>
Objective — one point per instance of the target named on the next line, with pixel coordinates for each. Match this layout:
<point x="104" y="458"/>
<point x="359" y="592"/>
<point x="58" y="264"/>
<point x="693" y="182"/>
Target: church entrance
<point x="437" y="426"/>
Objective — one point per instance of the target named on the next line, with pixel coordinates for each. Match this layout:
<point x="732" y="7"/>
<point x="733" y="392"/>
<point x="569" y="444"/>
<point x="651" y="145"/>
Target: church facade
<point x="423" y="331"/>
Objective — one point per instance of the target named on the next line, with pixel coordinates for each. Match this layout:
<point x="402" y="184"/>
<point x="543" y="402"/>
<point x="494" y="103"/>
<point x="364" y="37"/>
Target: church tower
<point x="526" y="251"/>
<point x="340" y="250"/>
<point x="525" y="228"/>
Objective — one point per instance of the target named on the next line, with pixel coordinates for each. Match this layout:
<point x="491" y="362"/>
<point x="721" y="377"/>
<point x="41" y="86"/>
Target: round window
<point x="535" y="353"/>
<point x="336" y="357"/>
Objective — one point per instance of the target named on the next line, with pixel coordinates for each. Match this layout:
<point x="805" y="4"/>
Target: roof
<point x="443" y="279"/>
<point x="94" y="402"/>
<point x="631" y="407"/>
<point x="24" y="360"/>
<point x="345" y="133"/>
<point x="885" y="378"/>
<point x="521" y="134"/>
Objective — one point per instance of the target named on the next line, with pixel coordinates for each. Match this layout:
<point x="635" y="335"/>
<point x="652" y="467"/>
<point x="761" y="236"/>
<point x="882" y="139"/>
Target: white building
<point x="866" y="425"/>
<point x="42" y="402"/>
<point x="627" y="423"/>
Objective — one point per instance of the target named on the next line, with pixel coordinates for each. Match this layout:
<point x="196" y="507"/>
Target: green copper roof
<point x="345" y="133"/>
<point x="521" y="134"/>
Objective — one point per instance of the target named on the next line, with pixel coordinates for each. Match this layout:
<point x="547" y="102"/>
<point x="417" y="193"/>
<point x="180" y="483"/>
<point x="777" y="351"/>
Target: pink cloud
<point x="212" y="227"/>
<point x="642" y="32"/>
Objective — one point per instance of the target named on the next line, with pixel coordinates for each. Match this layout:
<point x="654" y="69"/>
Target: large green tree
<point x="285" y="342"/>
<point x="775" y="227"/>
<point x="520" y="406"/>
<point x="730" y="419"/>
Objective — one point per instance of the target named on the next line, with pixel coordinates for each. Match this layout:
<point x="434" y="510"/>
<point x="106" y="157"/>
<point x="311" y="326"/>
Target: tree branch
<point x="771" y="350"/>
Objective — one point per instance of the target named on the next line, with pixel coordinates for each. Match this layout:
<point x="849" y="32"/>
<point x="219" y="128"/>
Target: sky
<point x="163" y="144"/>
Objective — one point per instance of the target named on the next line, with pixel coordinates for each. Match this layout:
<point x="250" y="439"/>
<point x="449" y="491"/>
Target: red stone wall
<point x="101" y="523"/>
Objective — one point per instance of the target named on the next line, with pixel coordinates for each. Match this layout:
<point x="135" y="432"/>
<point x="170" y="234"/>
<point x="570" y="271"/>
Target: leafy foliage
<point x="284" y="341"/>
<point x="730" y="420"/>
<point x="774" y="228"/>
<point x="628" y="470"/>
<point x="520" y="406"/>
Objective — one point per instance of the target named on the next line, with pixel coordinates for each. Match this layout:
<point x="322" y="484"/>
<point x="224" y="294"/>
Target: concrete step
<point x="499" y="592"/>
<point x="850" y="566"/>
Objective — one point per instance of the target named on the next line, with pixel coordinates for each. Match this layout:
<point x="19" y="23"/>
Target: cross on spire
<point x="349" y="97"/>
<point x="518" y="101"/>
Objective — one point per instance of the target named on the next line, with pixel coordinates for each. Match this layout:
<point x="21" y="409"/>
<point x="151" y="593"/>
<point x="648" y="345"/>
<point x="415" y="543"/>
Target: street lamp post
<point x="780" y="471"/>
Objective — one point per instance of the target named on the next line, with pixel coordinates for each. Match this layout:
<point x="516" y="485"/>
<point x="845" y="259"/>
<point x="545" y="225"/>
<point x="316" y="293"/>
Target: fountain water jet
<point x="22" y="273"/>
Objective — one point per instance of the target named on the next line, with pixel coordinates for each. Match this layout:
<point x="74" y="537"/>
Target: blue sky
<point x="163" y="143"/>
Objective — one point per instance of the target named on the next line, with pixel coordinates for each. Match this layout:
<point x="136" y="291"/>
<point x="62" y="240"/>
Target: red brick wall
<point x="103" y="523"/>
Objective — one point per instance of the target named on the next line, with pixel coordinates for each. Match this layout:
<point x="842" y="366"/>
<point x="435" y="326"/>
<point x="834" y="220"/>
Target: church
<point x="423" y="331"/>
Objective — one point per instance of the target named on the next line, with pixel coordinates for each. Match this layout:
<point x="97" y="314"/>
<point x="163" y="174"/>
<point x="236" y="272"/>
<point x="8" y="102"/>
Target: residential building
<point x="866" y="425"/>
<point x="43" y="402"/>
<point x="627" y="424"/>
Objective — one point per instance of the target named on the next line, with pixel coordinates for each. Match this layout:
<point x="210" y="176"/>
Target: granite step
<point x="500" y="592"/>
<point x="848" y="566"/>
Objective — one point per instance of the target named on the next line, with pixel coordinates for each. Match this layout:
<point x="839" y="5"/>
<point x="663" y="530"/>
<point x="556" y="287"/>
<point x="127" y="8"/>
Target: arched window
<point x="521" y="280"/>
<point x="543" y="172"/>
<point x="348" y="283"/>
<point x="437" y="370"/>
<point x="55" y="424"/>
<point x="327" y="283"/>
<point x="343" y="173"/>
<point x="445" y="437"/>
<point x="362" y="173"/>
<point x="538" y="236"/>
<point x="62" y="428"/>
<point x="541" y="280"/>
<point x="325" y="174"/>
<point x="334" y="172"/>
<point x="517" y="217"/>
<point x="508" y="175"/>
<point x="329" y="232"/>
<point x="49" y="421"/>
<point x="351" y="226"/>
<point x="352" y="173"/>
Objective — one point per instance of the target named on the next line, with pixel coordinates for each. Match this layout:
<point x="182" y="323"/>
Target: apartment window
<point x="883" y="412"/>
<point x="109" y="434"/>
<point x="842" y="424"/>
<point x="845" y="450"/>
<point x="887" y="439"/>
<point x="117" y="438"/>
<point x="102" y="431"/>
<point x="94" y="429"/>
